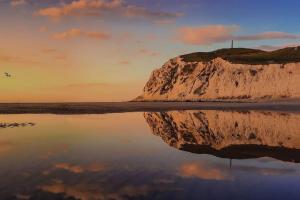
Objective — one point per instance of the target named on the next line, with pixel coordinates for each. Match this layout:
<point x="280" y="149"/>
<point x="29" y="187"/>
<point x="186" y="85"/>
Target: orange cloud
<point x="99" y="7"/>
<point x="94" y="167"/>
<point x="72" y="168"/>
<point x="55" y="53"/>
<point x="43" y="29"/>
<point x="207" y="35"/>
<point x="17" y="2"/>
<point x="49" y="50"/>
<point x="10" y="58"/>
<point x="85" y="85"/>
<point x="148" y="52"/>
<point x="80" y="7"/>
<point x="202" y="172"/>
<point x="125" y="62"/>
<point x="74" y="33"/>
<point x="86" y="191"/>
<point x="61" y="57"/>
<point x="79" y="191"/>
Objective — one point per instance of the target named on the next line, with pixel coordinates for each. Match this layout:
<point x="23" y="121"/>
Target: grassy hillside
<point x="247" y="56"/>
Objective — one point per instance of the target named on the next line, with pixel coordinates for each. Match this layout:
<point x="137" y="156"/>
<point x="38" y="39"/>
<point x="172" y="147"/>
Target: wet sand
<point x="119" y="107"/>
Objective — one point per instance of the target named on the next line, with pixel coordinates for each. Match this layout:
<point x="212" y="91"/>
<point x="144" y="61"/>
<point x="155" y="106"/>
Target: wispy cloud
<point x="43" y="29"/>
<point x="148" y="52"/>
<point x="133" y="11"/>
<point x="272" y="48"/>
<point x="80" y="7"/>
<point x="268" y="36"/>
<point x="164" y="21"/>
<point x="198" y="170"/>
<point x="12" y="58"/>
<point x="55" y="53"/>
<point x="49" y="50"/>
<point x="93" y="167"/>
<point x="17" y="2"/>
<point x="125" y="62"/>
<point x="86" y="85"/>
<point x="75" y="33"/>
<point x="100" y="7"/>
<point x="207" y="35"/>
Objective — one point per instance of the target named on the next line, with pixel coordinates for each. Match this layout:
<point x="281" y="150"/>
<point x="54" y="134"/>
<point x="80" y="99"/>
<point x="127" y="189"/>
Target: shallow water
<point x="156" y="155"/>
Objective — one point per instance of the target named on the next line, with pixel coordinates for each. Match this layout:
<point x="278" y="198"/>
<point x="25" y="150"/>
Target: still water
<point x="153" y="155"/>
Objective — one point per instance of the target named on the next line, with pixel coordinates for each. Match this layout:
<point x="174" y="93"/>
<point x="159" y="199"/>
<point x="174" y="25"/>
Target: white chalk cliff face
<point x="229" y="133"/>
<point x="220" y="80"/>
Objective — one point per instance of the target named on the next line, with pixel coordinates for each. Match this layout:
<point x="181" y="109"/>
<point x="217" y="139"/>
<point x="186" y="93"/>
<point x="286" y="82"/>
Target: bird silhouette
<point x="7" y="74"/>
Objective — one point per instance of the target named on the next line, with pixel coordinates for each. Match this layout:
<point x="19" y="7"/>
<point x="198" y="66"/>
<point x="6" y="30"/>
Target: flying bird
<point x="7" y="74"/>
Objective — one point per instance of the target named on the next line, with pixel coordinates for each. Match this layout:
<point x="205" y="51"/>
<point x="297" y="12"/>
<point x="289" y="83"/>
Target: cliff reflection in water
<point x="230" y="134"/>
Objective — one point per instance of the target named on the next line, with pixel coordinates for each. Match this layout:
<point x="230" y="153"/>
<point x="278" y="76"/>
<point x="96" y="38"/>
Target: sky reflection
<point x="116" y="156"/>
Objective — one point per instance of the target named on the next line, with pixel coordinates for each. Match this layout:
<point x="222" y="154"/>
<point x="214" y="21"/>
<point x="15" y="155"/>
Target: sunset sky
<point x="105" y="50"/>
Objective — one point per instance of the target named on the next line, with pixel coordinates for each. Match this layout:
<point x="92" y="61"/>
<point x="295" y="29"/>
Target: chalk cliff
<point x="224" y="78"/>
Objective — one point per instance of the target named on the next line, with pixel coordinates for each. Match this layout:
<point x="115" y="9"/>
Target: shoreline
<point x="121" y="107"/>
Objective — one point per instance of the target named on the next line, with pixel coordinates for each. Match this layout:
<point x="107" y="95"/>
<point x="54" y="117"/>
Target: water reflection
<point x="15" y="124"/>
<point x="116" y="156"/>
<point x="225" y="134"/>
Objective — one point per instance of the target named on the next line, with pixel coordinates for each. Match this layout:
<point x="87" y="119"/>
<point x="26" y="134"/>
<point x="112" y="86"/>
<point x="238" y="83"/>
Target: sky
<point x="105" y="50"/>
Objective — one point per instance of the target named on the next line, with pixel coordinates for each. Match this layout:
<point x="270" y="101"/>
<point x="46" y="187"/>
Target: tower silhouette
<point x="232" y="44"/>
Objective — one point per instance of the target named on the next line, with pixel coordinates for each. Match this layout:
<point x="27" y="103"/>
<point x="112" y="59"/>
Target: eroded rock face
<point x="224" y="132"/>
<point x="220" y="80"/>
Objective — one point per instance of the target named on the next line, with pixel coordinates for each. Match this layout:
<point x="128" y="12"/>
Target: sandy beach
<point x="119" y="107"/>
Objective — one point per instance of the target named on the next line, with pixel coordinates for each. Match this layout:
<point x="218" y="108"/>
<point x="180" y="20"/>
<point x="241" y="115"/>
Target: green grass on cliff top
<point x="247" y="56"/>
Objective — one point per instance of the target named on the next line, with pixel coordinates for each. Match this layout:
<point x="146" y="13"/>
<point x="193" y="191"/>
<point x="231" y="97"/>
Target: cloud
<point x="43" y="29"/>
<point x="133" y="11"/>
<point x="125" y="62"/>
<point x="11" y="58"/>
<point x="55" y="53"/>
<point x="87" y="191"/>
<point x="265" y="171"/>
<point x="49" y="50"/>
<point x="198" y="170"/>
<point x="61" y="57"/>
<point x="222" y="172"/>
<point x="79" y="7"/>
<point x="85" y="86"/>
<point x="164" y="21"/>
<point x="273" y="48"/>
<point x="148" y="52"/>
<point x="207" y="35"/>
<point x="75" y="33"/>
<point x="93" y="167"/>
<point x="17" y="2"/>
<point x="72" y="168"/>
<point x="268" y="36"/>
<point x="100" y="7"/>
